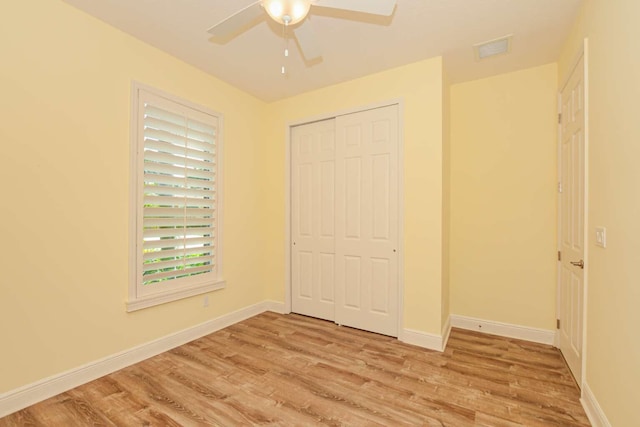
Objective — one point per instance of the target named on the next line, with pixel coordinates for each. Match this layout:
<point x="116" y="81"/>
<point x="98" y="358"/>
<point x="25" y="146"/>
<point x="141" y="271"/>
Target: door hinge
<point x="559" y="187"/>
<point x="559" y="118"/>
<point x="557" y="323"/>
<point x="559" y="256"/>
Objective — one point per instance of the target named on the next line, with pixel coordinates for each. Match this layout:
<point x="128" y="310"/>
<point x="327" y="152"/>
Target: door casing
<point x="582" y="53"/>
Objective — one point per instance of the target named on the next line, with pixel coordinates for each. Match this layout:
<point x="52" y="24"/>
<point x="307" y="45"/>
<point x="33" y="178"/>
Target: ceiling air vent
<point x="493" y="47"/>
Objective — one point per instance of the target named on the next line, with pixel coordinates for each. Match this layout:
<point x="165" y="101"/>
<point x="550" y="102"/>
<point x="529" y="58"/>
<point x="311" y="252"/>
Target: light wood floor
<point x="294" y="370"/>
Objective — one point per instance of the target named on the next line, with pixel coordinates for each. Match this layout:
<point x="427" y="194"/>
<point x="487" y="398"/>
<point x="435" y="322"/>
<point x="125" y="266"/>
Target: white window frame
<point x="143" y="296"/>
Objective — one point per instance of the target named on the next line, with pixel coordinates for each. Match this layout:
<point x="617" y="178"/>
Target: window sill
<point x="162" y="298"/>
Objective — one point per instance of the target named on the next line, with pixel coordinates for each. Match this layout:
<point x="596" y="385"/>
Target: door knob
<point x="578" y="263"/>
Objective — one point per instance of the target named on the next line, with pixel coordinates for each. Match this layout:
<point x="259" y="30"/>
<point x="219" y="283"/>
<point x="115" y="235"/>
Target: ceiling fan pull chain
<point x="286" y="46"/>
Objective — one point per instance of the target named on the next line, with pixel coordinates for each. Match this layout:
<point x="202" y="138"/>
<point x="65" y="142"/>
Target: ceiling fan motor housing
<point x="287" y="12"/>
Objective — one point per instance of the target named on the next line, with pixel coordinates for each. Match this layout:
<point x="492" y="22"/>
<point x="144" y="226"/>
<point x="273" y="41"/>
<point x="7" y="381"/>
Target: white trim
<point x="573" y="64"/>
<point x="133" y="192"/>
<point x="30" y="394"/>
<point x="138" y="298"/>
<point x="401" y="214"/>
<point x="427" y="340"/>
<point x="422" y="339"/>
<point x="587" y="267"/>
<point x="556" y="341"/>
<point x="275" y="306"/>
<point x="346" y="111"/>
<point x="583" y="53"/>
<point x="592" y="408"/>
<point x="161" y="298"/>
<point x="446" y="332"/>
<point x="287" y="183"/>
<point x="542" y="336"/>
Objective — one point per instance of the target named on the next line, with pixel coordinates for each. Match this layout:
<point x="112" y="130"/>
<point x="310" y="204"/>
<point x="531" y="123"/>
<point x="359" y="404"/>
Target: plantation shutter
<point x="179" y="196"/>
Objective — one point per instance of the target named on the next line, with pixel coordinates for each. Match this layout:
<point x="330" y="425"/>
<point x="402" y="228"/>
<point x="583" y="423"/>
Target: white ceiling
<point x="353" y="44"/>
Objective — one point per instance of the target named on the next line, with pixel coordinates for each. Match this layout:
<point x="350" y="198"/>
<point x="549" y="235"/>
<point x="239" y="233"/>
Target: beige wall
<point x="613" y="317"/>
<point x="65" y="102"/>
<point x="503" y="198"/>
<point x="420" y="87"/>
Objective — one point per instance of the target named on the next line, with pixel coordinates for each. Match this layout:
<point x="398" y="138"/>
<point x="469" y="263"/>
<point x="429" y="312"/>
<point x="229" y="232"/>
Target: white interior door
<point x="313" y="219"/>
<point x="367" y="220"/>
<point x="572" y="226"/>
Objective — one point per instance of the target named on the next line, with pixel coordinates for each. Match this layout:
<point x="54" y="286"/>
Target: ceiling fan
<point x="291" y="12"/>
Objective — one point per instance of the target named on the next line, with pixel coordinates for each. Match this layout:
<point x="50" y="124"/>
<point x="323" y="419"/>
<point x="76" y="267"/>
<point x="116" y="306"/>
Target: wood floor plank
<point x="292" y="370"/>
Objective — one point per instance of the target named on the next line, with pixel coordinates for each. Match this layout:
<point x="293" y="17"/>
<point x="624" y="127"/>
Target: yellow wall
<point x="503" y="199"/>
<point x="419" y="85"/>
<point x="64" y="103"/>
<point x="613" y="317"/>
<point x="64" y="220"/>
<point x="446" y="201"/>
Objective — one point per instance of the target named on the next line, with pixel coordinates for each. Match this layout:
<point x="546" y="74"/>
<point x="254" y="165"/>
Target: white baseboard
<point x="422" y="339"/>
<point x="275" y="306"/>
<point x="543" y="336"/>
<point x="446" y="331"/>
<point x="30" y="394"/>
<point x="592" y="408"/>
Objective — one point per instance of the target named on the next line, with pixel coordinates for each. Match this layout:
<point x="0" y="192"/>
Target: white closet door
<point x="366" y="213"/>
<point x="313" y="219"/>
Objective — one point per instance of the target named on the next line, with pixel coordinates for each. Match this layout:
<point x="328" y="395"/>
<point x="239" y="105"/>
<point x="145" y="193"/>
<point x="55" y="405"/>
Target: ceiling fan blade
<point x="376" y="7"/>
<point x="237" y="21"/>
<point x="307" y="41"/>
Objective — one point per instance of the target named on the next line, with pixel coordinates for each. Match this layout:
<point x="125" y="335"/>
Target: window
<point x="175" y="199"/>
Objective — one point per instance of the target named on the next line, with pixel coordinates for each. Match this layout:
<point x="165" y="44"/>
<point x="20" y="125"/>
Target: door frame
<point x="582" y="53"/>
<point x="287" y="185"/>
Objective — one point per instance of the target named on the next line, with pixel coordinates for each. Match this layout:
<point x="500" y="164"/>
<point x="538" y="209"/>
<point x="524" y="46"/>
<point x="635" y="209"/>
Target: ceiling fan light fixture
<point x="287" y="12"/>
